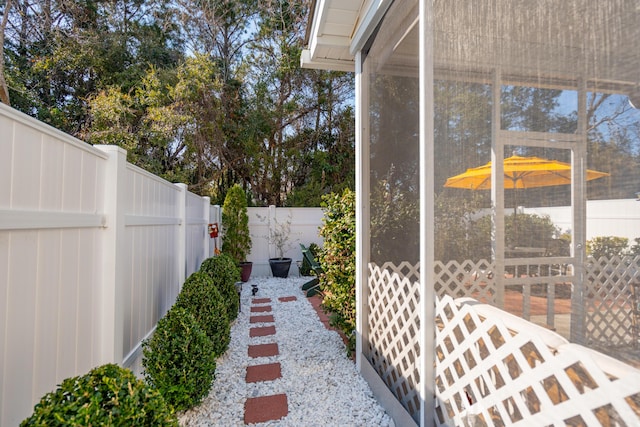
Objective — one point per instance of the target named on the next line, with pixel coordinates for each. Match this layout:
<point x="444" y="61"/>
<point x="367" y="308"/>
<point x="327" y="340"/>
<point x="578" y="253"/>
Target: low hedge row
<point x="179" y="362"/>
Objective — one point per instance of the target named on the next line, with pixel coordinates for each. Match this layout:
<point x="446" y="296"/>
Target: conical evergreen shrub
<point x="207" y="304"/>
<point x="223" y="271"/>
<point x="179" y="359"/>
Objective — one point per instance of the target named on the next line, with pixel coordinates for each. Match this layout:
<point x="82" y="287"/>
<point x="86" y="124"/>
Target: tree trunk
<point x="4" y="90"/>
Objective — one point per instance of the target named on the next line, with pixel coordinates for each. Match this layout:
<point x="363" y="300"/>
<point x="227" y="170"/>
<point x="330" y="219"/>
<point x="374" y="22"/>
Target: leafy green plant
<point x="635" y="248"/>
<point x="607" y="246"/>
<point x="236" y="240"/>
<point x="106" y="396"/>
<point x="179" y="359"/>
<point x="205" y="302"/>
<point x="305" y="268"/>
<point x="224" y="274"/>
<point x="338" y="260"/>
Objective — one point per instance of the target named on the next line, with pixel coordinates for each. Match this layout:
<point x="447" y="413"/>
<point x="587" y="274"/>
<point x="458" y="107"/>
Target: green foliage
<point x="208" y="306"/>
<point x="338" y="259"/>
<point x="607" y="246"/>
<point x="305" y="269"/>
<point x="236" y="240"/>
<point x="179" y="359"/>
<point x="462" y="234"/>
<point x="635" y="248"/>
<point x="224" y="274"/>
<point x="107" y="396"/>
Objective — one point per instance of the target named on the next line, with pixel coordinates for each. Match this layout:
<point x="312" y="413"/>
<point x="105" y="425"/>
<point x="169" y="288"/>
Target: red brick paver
<point x="287" y="299"/>
<point x="261" y="319"/>
<point x="260" y="300"/>
<point x="261" y="309"/>
<point x="266" y="372"/>
<point x="263" y="350"/>
<point x="262" y="332"/>
<point x="265" y="408"/>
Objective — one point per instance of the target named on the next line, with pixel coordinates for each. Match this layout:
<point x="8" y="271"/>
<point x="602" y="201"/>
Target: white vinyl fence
<point x="93" y="252"/>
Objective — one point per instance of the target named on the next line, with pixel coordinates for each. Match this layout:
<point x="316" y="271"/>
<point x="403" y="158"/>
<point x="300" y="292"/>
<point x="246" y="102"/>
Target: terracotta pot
<point x="245" y="270"/>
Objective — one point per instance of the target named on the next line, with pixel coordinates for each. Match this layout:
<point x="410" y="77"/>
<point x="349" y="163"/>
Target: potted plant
<point x="236" y="240"/>
<point x="279" y="237"/>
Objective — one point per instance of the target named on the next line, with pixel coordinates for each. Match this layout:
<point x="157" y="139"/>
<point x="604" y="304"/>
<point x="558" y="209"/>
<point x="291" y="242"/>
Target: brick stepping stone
<point x="287" y="299"/>
<point x="263" y="350"/>
<point x="261" y="319"/>
<point x="262" y="331"/>
<point x="265" y="408"/>
<point x="260" y="300"/>
<point x="266" y="372"/>
<point x="261" y="309"/>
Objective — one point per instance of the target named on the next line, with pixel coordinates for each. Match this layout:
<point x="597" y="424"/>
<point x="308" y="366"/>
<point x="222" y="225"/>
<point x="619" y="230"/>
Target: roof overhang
<point x="336" y="30"/>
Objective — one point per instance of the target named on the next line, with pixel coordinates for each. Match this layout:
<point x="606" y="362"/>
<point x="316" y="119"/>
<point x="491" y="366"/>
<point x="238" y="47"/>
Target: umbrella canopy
<point x="520" y="172"/>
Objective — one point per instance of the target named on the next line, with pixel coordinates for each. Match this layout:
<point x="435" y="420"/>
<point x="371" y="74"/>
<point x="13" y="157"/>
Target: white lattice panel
<point x="510" y="376"/>
<point x="393" y="330"/>
<point x="608" y="300"/>
<point x="466" y="279"/>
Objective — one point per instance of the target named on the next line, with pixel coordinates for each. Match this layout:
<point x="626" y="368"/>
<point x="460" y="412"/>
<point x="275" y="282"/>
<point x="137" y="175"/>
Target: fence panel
<point x="51" y="204"/>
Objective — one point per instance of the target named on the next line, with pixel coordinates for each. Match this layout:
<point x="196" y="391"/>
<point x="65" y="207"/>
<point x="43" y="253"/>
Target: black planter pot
<point x="280" y="266"/>
<point x="245" y="270"/>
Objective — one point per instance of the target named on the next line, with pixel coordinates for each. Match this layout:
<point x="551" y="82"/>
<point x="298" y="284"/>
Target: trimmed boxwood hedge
<point x="207" y="305"/>
<point x="224" y="272"/>
<point x="179" y="359"/>
<point x="106" y="396"/>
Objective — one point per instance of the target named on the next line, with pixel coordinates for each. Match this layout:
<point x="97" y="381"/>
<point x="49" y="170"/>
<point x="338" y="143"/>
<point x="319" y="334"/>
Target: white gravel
<point x="322" y="385"/>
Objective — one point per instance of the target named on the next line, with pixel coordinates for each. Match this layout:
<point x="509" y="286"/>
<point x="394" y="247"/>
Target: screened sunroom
<point x="485" y="128"/>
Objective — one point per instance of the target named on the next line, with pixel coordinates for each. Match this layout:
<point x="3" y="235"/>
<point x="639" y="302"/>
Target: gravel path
<point x="322" y="385"/>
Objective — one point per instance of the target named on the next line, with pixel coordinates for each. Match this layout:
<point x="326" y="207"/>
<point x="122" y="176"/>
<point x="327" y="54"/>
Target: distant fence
<point x="305" y="228"/>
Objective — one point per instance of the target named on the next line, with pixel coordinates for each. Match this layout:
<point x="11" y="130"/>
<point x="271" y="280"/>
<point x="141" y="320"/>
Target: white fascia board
<point x="372" y="17"/>
<point x="325" y="64"/>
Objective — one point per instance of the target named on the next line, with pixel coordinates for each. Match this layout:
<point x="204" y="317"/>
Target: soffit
<point x="542" y="40"/>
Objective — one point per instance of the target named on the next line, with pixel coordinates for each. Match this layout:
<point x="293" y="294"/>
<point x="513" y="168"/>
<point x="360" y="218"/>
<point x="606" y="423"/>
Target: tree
<point x="4" y="90"/>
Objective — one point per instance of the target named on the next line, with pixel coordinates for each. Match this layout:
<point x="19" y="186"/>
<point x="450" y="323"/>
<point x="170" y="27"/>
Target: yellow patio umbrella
<point x="520" y="172"/>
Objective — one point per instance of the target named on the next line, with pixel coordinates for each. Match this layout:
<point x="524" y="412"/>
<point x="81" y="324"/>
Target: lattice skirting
<point x="393" y="331"/>
<point x="493" y="368"/>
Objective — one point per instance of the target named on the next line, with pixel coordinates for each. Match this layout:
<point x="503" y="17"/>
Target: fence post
<point x="205" y="215"/>
<point x="112" y="316"/>
<point x="181" y="255"/>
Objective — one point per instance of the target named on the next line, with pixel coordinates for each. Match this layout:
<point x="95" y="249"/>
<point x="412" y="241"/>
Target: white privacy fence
<point x="93" y="252"/>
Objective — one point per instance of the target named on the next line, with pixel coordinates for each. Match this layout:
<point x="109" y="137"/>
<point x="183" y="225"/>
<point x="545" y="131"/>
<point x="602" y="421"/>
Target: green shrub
<point x="179" y="359"/>
<point x="107" y="396"/>
<point x="236" y="240"/>
<point x="223" y="271"/>
<point x="607" y="246"/>
<point x="338" y="260"/>
<point x="204" y="301"/>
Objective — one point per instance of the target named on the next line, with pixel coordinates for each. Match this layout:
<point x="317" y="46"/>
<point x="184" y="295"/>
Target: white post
<point x="113" y="279"/>
<point x="206" y="239"/>
<point x="427" y="219"/>
<point x="181" y="250"/>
